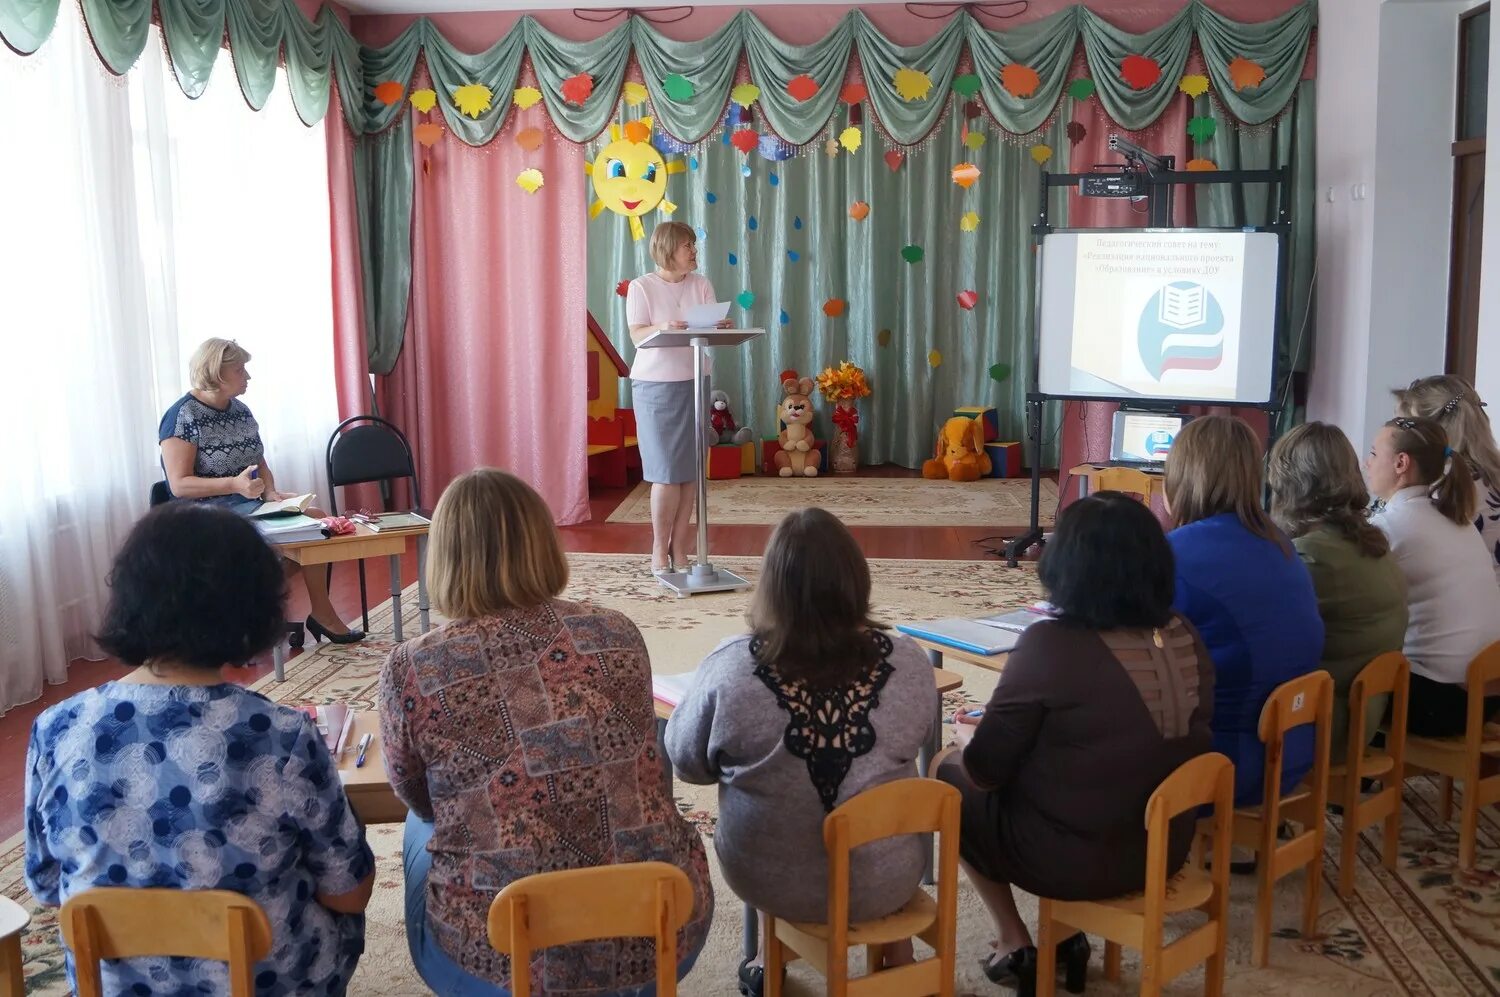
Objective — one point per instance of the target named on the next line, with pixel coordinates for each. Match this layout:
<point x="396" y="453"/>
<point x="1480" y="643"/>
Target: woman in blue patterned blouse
<point x="212" y="453"/>
<point x="173" y="777"/>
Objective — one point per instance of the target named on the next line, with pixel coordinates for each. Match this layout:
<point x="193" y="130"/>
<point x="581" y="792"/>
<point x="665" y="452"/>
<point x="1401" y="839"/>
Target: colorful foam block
<point x="730" y="460"/>
<point x="987" y="414"/>
<point x="1005" y="459"/>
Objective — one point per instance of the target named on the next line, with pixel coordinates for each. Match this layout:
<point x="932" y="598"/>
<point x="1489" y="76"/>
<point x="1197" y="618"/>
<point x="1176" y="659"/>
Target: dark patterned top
<point x="228" y="441"/>
<point x="1487" y="519"/>
<point x="529" y="740"/>
<point x="198" y="788"/>
<point x="828" y="728"/>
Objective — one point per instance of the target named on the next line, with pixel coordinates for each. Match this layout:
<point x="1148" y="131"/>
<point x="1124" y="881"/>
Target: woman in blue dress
<point x="174" y="777"/>
<point x="211" y="452"/>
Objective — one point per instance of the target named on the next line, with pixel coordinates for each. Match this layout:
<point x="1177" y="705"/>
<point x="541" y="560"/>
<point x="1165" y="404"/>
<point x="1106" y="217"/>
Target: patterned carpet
<point x="863" y="501"/>
<point x="1426" y="929"/>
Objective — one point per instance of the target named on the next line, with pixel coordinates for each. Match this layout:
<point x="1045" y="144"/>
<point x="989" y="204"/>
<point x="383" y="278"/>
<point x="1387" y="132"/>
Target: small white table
<point x="703" y="576"/>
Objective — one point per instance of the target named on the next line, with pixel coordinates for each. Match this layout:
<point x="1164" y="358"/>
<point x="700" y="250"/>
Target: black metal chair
<point x="363" y="449"/>
<point x="296" y="632"/>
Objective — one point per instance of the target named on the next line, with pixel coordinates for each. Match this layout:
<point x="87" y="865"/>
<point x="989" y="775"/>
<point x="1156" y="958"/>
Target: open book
<point x="284" y="507"/>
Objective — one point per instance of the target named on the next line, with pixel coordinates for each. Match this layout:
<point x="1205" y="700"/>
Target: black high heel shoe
<point x="1018" y="968"/>
<point x="752" y="980"/>
<point x="320" y="633"/>
<point x="1073" y="960"/>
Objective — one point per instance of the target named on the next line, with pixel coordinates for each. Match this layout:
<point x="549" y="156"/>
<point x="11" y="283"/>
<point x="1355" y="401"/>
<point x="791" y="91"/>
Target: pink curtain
<point x="493" y="368"/>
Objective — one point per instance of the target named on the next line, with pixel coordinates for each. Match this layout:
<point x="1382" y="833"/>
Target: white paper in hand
<point x="705" y="316"/>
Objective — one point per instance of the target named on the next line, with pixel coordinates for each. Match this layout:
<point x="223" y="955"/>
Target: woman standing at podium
<point x="661" y="382"/>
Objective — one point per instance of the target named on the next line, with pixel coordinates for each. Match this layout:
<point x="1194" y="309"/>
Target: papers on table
<point x="966" y="635"/>
<point x="705" y="316"/>
<point x="289" y="529"/>
<point x="1018" y="620"/>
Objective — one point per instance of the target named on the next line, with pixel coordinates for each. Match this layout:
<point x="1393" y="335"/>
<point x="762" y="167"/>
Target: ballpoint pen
<point x="364" y="743"/>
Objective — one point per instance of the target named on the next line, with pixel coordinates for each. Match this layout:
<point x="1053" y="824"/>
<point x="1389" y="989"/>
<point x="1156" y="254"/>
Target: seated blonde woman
<point x="522" y="736"/>
<point x="1319" y="499"/>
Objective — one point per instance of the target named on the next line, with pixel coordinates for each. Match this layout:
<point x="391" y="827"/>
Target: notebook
<point x="1018" y="620"/>
<point x="397" y="521"/>
<point x="670" y="689"/>
<point x="284" y="507"/>
<point x="295" y="528"/>
<point x="966" y="635"/>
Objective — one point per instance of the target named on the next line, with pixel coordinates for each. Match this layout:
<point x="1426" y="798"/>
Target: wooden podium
<point x="703" y="576"/>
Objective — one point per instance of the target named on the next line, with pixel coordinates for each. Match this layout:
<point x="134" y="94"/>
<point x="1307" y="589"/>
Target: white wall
<point x="1385" y="174"/>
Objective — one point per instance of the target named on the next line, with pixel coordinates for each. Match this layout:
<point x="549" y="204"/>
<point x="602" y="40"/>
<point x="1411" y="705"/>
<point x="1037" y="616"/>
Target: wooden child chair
<point x="13" y="921"/>
<point x="1461" y="757"/>
<point x="1387" y="674"/>
<point x="1124" y="479"/>
<point x="1137" y="920"/>
<point x="119" y="922"/>
<point x="631" y="900"/>
<point x="906" y="806"/>
<point x="1302" y="701"/>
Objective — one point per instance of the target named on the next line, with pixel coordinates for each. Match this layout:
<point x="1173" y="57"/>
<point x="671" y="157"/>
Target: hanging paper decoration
<point x="1140" y="71"/>
<point x="473" y="99"/>
<point x="833" y="307"/>
<point x="859" y="210"/>
<point x="428" y="133"/>
<point x="1201" y="129"/>
<point x="630" y="179"/>
<point x="999" y="371"/>
<point x="734" y="260"/>
<point x="974" y="140"/>
<point x="711" y="197"/>
<point x="526" y="97"/>
<point x="853" y="93"/>
<point x="742" y="114"/>
<point x="1245" y="73"/>
<point x="1201" y="165"/>
<point x="745" y="298"/>
<point x="912" y="254"/>
<point x="1040" y="153"/>
<point x="751" y="223"/>
<point x="967" y="300"/>
<point x="667" y="143"/>
<point x="529" y="139"/>
<point x="389" y="92"/>
<point x="636" y="131"/>
<point x="745" y="140"/>
<point x="1019" y="80"/>
<point x="576" y="88"/>
<point x="911" y="84"/>
<point x="774" y="149"/>
<point x="785" y="318"/>
<point x="970" y="221"/>
<point x="893" y="159"/>
<point x="1194" y="85"/>
<point x="745" y="94"/>
<point x="745" y="170"/>
<point x="774" y="180"/>
<point x="622" y="288"/>
<point x="856" y="114"/>
<point x="1075" y="132"/>
<point x="1081" y="88"/>
<point x="423" y="100"/>
<point x="692" y="161"/>
<point x="883" y="337"/>
<point x="964" y="174"/>
<point x="634" y="94"/>
<point x="802" y="87"/>
<point x="797" y="222"/>
<point x="934" y="359"/>
<point x="831" y="147"/>
<point x="701" y="233"/>
<point x="792" y="256"/>
<point x="678" y="87"/>
<point x="972" y="109"/>
<point x="966" y="86"/>
<point x="530" y="180"/>
<point x="850" y="138"/>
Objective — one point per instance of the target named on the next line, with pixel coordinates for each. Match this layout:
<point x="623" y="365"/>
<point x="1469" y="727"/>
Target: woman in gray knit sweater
<point x="816" y="704"/>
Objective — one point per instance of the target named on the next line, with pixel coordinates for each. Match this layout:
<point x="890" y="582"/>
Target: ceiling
<point x="442" y="6"/>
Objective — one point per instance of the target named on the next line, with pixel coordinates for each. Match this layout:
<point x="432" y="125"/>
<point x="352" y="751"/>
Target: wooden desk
<point x="369" y="786"/>
<point x="362" y="543"/>
<point x="1088" y="475"/>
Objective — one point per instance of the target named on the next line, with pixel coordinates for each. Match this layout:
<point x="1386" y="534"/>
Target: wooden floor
<point x="932" y="542"/>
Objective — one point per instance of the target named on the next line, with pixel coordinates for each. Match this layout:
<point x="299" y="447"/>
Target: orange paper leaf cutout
<point x="964" y="174"/>
<point x="859" y="210"/>
<point x="529" y="139"/>
<point x="802" y="87"/>
<point x="1019" y="80"/>
<point x="389" y="92"/>
<point x="1199" y="165"/>
<point x="428" y="133"/>
<point x="636" y="131"/>
<point x="1245" y="73"/>
<point x="1140" y="71"/>
<point x="576" y="89"/>
<point x="853" y="93"/>
<point x="833" y="307"/>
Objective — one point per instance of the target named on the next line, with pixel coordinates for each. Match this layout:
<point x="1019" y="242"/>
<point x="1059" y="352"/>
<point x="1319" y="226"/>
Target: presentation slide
<point x="1183" y="315"/>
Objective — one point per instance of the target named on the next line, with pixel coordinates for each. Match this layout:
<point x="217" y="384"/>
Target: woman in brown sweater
<point x="1093" y="710"/>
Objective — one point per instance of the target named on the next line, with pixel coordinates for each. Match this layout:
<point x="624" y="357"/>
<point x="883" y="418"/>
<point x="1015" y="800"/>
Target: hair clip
<point x="1405" y="422"/>
<point x="1452" y="404"/>
<point x="1447" y="452"/>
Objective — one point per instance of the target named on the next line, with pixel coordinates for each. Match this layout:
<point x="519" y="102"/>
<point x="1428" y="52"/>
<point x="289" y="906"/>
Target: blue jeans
<point x="446" y="977"/>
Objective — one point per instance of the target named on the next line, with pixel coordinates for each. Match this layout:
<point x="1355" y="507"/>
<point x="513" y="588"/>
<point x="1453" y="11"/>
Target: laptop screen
<point x="1143" y="437"/>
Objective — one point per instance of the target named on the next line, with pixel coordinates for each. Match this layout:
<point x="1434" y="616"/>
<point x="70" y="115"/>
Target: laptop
<point x="1143" y="439"/>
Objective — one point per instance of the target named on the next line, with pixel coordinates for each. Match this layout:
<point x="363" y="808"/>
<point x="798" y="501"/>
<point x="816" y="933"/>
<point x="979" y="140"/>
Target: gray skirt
<point x="664" y="430"/>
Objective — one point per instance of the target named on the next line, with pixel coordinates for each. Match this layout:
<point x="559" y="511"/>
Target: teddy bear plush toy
<point x="959" y="454"/>
<point x="721" y="421"/>
<point x="798" y="454"/>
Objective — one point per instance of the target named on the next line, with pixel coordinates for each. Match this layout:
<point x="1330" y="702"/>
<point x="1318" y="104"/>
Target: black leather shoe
<point x="1016" y="969"/>
<point x="752" y="980"/>
<point x="1073" y="960"/>
<point x="320" y="633"/>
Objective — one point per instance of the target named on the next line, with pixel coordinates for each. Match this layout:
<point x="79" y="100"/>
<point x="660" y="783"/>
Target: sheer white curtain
<point x="136" y="224"/>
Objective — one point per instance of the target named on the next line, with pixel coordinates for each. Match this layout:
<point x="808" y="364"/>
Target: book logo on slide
<point x="1181" y="328"/>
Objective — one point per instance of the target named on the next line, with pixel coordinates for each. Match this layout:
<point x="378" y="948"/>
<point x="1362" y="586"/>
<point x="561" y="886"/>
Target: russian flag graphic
<point x="1181" y="328"/>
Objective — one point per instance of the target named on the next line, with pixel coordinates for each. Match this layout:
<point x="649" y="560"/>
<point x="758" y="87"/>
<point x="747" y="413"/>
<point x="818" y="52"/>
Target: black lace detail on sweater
<point x="828" y="728"/>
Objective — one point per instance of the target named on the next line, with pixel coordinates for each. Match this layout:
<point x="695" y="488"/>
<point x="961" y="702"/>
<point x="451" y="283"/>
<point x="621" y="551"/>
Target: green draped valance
<point x="318" y="51"/>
